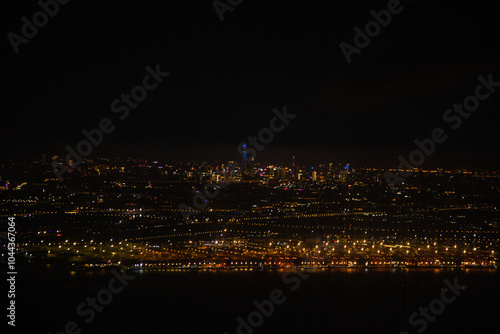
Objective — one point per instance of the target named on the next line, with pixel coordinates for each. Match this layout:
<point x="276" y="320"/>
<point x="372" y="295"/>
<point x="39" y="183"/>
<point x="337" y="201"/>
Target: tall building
<point x="244" y="165"/>
<point x="278" y="173"/>
<point x="231" y="170"/>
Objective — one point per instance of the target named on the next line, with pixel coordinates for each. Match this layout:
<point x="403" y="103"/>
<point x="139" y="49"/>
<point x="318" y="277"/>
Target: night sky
<point x="226" y="77"/>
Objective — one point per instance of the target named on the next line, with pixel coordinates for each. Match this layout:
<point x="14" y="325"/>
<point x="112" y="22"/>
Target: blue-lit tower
<point x="244" y="166"/>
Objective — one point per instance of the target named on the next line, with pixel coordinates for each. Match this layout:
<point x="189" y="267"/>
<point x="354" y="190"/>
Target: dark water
<point x="328" y="301"/>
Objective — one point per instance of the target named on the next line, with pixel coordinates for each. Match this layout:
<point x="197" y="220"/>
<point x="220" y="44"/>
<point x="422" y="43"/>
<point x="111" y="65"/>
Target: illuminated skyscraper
<point x="244" y="166"/>
<point x="231" y="166"/>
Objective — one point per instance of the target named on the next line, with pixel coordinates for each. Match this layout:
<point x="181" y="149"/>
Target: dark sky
<point x="226" y="77"/>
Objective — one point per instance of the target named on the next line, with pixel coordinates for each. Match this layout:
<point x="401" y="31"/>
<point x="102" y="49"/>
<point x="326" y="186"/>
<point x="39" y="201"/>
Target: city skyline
<point x="231" y="166"/>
